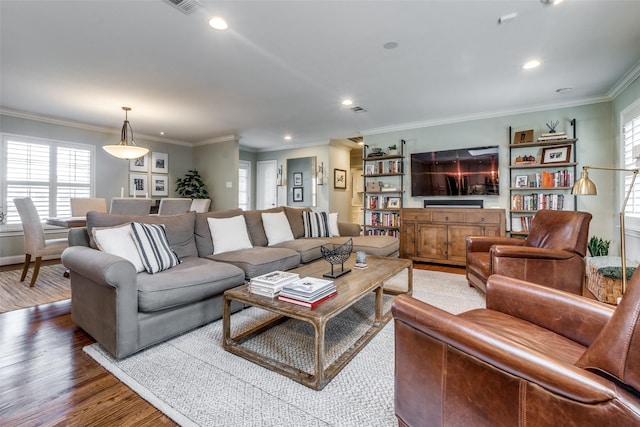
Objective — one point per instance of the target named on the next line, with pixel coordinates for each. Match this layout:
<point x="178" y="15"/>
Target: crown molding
<point x="83" y="126"/>
<point x="628" y="78"/>
<point x="216" y="140"/>
<point x="487" y="115"/>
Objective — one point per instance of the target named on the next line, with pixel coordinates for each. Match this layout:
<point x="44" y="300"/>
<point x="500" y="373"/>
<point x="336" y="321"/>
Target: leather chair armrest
<point x="561" y="378"/>
<point x="349" y="229"/>
<point x="530" y="252"/>
<point x="578" y="318"/>
<point x="484" y="243"/>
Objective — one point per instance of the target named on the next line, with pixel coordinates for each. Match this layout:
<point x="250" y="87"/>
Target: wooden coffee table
<point x="352" y="287"/>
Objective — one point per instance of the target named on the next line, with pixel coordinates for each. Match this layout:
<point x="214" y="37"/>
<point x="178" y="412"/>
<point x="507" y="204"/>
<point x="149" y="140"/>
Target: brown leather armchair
<point x="534" y="356"/>
<point x="552" y="255"/>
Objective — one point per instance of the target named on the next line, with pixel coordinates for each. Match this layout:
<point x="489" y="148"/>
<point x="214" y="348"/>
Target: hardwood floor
<point x="46" y="378"/>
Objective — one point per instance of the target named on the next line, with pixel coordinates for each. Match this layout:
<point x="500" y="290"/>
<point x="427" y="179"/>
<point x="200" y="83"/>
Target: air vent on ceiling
<point x="186" y="6"/>
<point x="358" y="109"/>
<point x="356" y="139"/>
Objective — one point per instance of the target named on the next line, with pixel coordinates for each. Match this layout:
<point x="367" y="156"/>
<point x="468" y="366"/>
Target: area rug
<point x="196" y="383"/>
<point x="50" y="286"/>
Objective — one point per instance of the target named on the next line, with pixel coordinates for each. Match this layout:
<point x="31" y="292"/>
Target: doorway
<point x="266" y="189"/>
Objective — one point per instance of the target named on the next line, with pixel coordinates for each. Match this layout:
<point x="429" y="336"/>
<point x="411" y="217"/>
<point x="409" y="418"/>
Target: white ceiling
<point x="284" y="66"/>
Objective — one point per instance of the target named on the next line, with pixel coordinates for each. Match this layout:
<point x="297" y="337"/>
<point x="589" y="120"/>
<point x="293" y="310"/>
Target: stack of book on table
<point x="270" y="284"/>
<point x="308" y="292"/>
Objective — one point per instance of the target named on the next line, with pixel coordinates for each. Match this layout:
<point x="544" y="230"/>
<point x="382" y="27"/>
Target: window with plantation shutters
<point x="631" y="143"/>
<point x="49" y="172"/>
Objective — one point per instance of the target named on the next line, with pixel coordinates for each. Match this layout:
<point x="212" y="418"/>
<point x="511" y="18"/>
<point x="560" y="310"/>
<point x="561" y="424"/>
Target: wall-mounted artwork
<point x="298" y="194"/>
<point x="159" y="185"/>
<point x="340" y="178"/>
<point x="138" y="185"/>
<point x="159" y="162"/>
<point x="141" y="164"/>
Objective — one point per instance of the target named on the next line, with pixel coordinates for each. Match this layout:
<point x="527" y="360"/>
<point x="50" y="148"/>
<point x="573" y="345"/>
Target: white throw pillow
<point x="333" y="224"/>
<point x="229" y="234"/>
<point x="153" y="247"/>
<point x="276" y="227"/>
<point x="118" y="241"/>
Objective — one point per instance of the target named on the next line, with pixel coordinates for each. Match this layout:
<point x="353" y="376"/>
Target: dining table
<point x="67" y="222"/>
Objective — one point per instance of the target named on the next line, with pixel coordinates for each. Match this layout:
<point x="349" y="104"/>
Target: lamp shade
<point x="584" y="186"/>
<point x="127" y="149"/>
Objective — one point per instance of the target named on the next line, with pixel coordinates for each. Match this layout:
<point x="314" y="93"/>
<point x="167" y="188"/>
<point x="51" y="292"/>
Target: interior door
<point x="266" y="189"/>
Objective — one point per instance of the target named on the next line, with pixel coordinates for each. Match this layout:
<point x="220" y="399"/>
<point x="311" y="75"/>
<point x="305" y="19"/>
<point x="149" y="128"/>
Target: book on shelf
<point x="307" y="304"/>
<point x="552" y="137"/>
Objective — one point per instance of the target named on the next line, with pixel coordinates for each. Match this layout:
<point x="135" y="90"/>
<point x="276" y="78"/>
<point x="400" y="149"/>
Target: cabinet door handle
<point x="446" y="218"/>
<point x="482" y="219"/>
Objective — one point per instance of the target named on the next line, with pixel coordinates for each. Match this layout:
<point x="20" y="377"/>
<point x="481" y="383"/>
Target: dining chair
<point x="35" y="243"/>
<point x="130" y="206"/>
<point x="174" y="206"/>
<point x="200" y="205"/>
<point x="81" y="205"/>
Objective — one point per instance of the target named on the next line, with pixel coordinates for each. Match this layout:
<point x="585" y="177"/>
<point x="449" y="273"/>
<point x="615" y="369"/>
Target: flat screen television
<point x="460" y="172"/>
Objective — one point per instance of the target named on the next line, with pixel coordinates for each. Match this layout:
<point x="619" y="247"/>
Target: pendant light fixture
<point x="127" y="149"/>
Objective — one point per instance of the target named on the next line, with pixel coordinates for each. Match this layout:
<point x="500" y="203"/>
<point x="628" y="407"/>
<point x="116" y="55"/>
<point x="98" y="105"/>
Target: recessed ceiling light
<point x="287" y="137"/>
<point x="218" y="23"/>
<point x="534" y="63"/>
<point x="390" y="45"/>
<point x="347" y="102"/>
<point x="161" y="132"/>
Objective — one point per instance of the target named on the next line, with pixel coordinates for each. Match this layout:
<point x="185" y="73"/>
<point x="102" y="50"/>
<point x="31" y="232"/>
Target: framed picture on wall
<point x="297" y="179"/>
<point x="138" y="185"/>
<point x="297" y="194"/>
<point x="141" y="164"/>
<point x="159" y="185"/>
<point x="340" y="178"/>
<point x="159" y="162"/>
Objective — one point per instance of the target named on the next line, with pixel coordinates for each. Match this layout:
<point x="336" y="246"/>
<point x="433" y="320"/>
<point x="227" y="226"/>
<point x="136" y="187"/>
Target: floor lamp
<point x="584" y="186"/>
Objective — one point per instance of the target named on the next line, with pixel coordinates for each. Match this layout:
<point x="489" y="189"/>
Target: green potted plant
<point x="192" y="186"/>
<point x="393" y="150"/>
<point x="598" y="246"/>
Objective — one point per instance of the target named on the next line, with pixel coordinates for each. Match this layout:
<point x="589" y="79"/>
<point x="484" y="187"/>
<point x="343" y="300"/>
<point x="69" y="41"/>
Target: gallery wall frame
<point x="159" y="162"/>
<point x="141" y="164"/>
<point x="298" y="194"/>
<point x="138" y="185"/>
<point x="159" y="185"/>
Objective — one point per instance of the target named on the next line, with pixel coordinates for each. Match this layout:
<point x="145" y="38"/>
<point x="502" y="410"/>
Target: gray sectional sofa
<point x="126" y="311"/>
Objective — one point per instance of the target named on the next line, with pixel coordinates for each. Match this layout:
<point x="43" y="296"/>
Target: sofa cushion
<point x="194" y="280"/>
<point x="204" y="243"/>
<point x="229" y="234"/>
<point x="118" y="241"/>
<point x="309" y="249"/>
<point x="294" y="215"/>
<point x="260" y="260"/>
<point x="315" y="224"/>
<point x="276" y="227"/>
<point x="372" y="245"/>
<point x="153" y="247"/>
<point x="179" y="228"/>
<point x="254" y="225"/>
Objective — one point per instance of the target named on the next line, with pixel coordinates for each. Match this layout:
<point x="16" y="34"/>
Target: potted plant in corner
<point x="192" y="186"/>
<point x="393" y="150"/>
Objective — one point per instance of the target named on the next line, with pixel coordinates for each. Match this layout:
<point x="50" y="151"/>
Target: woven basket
<point x="605" y="289"/>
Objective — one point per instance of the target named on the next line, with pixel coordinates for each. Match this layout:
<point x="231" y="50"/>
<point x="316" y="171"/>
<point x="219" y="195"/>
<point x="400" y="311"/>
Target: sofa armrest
<point x="506" y="355"/>
<point x="349" y="229"/>
<point x="484" y="243"/>
<point x="578" y="318"/>
<point x="78" y="236"/>
<point x="105" y="298"/>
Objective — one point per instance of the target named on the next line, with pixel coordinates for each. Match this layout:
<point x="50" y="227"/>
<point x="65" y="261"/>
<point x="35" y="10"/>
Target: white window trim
<point x="632" y="220"/>
<point x="246" y="164"/>
<point x="4" y="136"/>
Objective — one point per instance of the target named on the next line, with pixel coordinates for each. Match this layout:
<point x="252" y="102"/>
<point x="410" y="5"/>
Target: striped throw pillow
<point x="153" y="247"/>
<point x="316" y="224"/>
